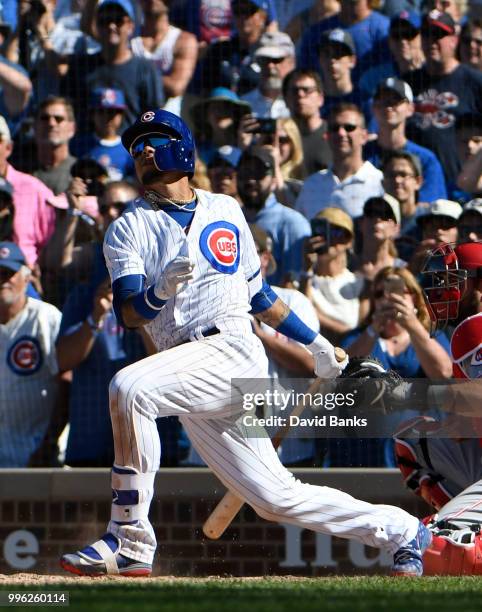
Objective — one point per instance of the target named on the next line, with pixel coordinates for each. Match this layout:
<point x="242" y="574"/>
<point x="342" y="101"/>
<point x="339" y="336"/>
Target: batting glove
<point x="175" y="278"/>
<point x="326" y="365"/>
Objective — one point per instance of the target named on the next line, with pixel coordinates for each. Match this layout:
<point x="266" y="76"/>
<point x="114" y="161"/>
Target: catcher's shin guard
<point x="418" y="477"/>
<point x="454" y="552"/>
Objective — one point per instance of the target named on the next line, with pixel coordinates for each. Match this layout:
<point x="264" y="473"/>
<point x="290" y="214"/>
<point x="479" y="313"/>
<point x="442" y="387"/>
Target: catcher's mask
<point x="443" y="284"/>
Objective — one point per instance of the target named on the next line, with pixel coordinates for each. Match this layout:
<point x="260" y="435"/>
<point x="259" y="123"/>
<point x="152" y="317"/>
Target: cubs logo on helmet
<point x="24" y="357"/>
<point x="219" y="243"/>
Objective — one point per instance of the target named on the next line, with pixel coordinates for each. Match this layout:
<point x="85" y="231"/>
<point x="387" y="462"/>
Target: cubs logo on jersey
<point x="24" y="357"/>
<point x="219" y="243"/>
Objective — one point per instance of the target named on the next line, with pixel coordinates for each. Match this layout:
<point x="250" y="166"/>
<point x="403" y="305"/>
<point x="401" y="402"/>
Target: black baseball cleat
<point x="103" y="558"/>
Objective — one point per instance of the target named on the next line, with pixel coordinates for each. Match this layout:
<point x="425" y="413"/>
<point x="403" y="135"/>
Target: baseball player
<point x="183" y="263"/>
<point x="444" y="470"/>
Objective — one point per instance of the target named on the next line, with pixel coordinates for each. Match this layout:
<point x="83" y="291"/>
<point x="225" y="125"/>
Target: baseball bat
<point x="229" y="506"/>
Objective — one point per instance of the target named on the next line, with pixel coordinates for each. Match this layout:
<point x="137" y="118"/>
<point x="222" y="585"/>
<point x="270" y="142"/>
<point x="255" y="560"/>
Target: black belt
<point x="212" y="331"/>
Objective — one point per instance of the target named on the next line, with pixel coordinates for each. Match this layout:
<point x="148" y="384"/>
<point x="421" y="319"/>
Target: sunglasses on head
<point x="149" y="140"/>
<point x="348" y="127"/>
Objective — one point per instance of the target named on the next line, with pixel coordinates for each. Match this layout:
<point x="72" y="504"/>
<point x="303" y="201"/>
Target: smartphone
<point x="264" y="125"/>
<point x="321" y="227"/>
<point x="394" y="284"/>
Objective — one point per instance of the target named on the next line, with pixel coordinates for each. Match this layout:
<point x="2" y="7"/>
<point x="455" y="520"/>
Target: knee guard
<point x="417" y="477"/>
<point x="453" y="552"/>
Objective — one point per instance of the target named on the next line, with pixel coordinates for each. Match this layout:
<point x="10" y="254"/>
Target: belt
<point x="212" y="331"/>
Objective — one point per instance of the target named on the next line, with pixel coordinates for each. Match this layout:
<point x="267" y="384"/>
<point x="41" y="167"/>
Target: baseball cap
<point x="275" y="45"/>
<point x="338" y="217"/>
<point x="406" y="22"/>
<point x="11" y="256"/>
<point x="398" y="86"/>
<point x="260" y="4"/>
<point x="4" y="129"/>
<point x="386" y="200"/>
<point x="439" y="21"/>
<point x="105" y="97"/>
<point x="125" y="5"/>
<point x="338" y="37"/>
<point x="259" y="154"/>
<point x="225" y="154"/>
<point x="6" y="187"/>
<point x="474" y="205"/>
<point x="441" y="208"/>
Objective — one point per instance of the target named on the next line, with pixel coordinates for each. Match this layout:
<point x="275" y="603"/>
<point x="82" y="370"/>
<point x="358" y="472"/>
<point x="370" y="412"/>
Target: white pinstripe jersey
<point x="144" y="240"/>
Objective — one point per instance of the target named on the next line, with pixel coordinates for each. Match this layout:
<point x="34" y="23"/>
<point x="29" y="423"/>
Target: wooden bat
<point x="229" y="506"/>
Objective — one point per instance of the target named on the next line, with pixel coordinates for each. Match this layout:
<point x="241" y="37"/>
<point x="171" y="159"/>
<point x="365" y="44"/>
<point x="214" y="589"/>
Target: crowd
<point x="350" y="134"/>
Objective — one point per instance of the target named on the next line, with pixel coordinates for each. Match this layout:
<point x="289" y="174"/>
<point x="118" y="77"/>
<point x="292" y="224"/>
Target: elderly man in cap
<point x="256" y="183"/>
<point x="28" y="329"/>
<point x="276" y="57"/>
<point x="115" y="66"/>
<point x="438" y="222"/>
<point x="392" y="107"/>
<point x="443" y="89"/>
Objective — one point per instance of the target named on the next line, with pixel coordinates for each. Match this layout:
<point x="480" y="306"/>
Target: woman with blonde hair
<point x="398" y="331"/>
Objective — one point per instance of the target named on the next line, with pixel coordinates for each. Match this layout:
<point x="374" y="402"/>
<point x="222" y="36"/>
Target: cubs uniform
<point x="28" y="385"/>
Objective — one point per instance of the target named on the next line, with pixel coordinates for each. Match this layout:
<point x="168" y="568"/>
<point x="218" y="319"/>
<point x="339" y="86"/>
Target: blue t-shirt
<point x="288" y="228"/>
<point x="113" y="156"/>
<point x="433" y="186"/>
<point x="369" y="35"/>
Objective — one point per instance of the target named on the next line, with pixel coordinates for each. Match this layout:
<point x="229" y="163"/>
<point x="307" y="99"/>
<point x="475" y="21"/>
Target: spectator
<point x="350" y="181"/>
<point x="438" y="223"/>
<point x="287" y="359"/>
<point x="316" y="11"/>
<point x="34" y="218"/>
<point x="470" y="222"/>
<point x="454" y="8"/>
<point x="469" y="149"/>
<point x="392" y="106"/>
<point x="276" y="57"/>
<point x="470" y="44"/>
<point x="115" y="66"/>
<point x="28" y="401"/>
<point x="368" y="29"/>
<point x="67" y="37"/>
<point x="287" y="227"/>
<point x="173" y="51"/>
<point x="15" y="84"/>
<point x="230" y="63"/>
<point x="6" y="211"/>
<point x="327" y="282"/>
<point x="222" y="171"/>
<point x="379" y="227"/>
<point x="398" y="332"/>
<point x="337" y="60"/>
<point x="402" y="179"/>
<point x="444" y="89"/>
<point x="304" y="96"/>
<point x="107" y="107"/>
<point x="217" y="120"/>
<point x="53" y="130"/>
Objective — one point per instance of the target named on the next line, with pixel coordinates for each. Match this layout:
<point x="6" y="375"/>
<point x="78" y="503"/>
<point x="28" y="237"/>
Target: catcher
<point x="442" y="468"/>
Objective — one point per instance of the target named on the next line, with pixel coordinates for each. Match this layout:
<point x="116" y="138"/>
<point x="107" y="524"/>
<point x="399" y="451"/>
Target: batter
<point x="183" y="263"/>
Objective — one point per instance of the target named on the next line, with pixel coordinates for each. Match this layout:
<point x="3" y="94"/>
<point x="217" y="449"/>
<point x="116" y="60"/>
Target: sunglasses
<point x="58" y="118"/>
<point x="149" y="140"/>
<point x="467" y="40"/>
<point x="284" y="140"/>
<point x="348" y="127"/>
<point x="119" y="206"/>
<point x="304" y="89"/>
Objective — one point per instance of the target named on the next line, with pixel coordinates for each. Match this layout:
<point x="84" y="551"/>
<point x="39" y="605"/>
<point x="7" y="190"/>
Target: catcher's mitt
<point x="371" y="382"/>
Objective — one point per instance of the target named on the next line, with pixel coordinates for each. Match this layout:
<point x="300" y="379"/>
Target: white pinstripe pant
<point x="193" y="381"/>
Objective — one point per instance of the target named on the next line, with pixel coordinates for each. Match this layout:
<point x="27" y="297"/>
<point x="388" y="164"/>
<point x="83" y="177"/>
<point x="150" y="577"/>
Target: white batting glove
<point x="175" y="278"/>
<point x="326" y="365"/>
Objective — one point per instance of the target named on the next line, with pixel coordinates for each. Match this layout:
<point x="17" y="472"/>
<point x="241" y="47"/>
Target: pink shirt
<point x="34" y="219"/>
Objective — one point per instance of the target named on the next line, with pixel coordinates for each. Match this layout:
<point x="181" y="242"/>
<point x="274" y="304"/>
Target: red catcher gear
<point x="453" y="552"/>
<point x="444" y="278"/>
<point x="466" y="348"/>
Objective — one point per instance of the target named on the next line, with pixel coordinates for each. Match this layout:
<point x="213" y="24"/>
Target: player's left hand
<point x="175" y="278"/>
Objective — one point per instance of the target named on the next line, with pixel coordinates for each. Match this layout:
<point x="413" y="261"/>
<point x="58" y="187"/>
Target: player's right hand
<point x="175" y="278"/>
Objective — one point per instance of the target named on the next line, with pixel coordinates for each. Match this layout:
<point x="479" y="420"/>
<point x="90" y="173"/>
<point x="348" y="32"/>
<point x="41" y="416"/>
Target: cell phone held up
<point x="321" y="227"/>
<point x="394" y="284"/>
<point x="263" y="125"/>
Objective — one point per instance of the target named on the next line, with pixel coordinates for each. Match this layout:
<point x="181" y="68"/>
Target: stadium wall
<point x="46" y="512"/>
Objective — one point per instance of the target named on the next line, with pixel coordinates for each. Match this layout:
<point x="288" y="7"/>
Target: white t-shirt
<point x="338" y="296"/>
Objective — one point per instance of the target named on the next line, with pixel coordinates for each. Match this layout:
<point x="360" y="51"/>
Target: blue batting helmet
<point x="178" y="153"/>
